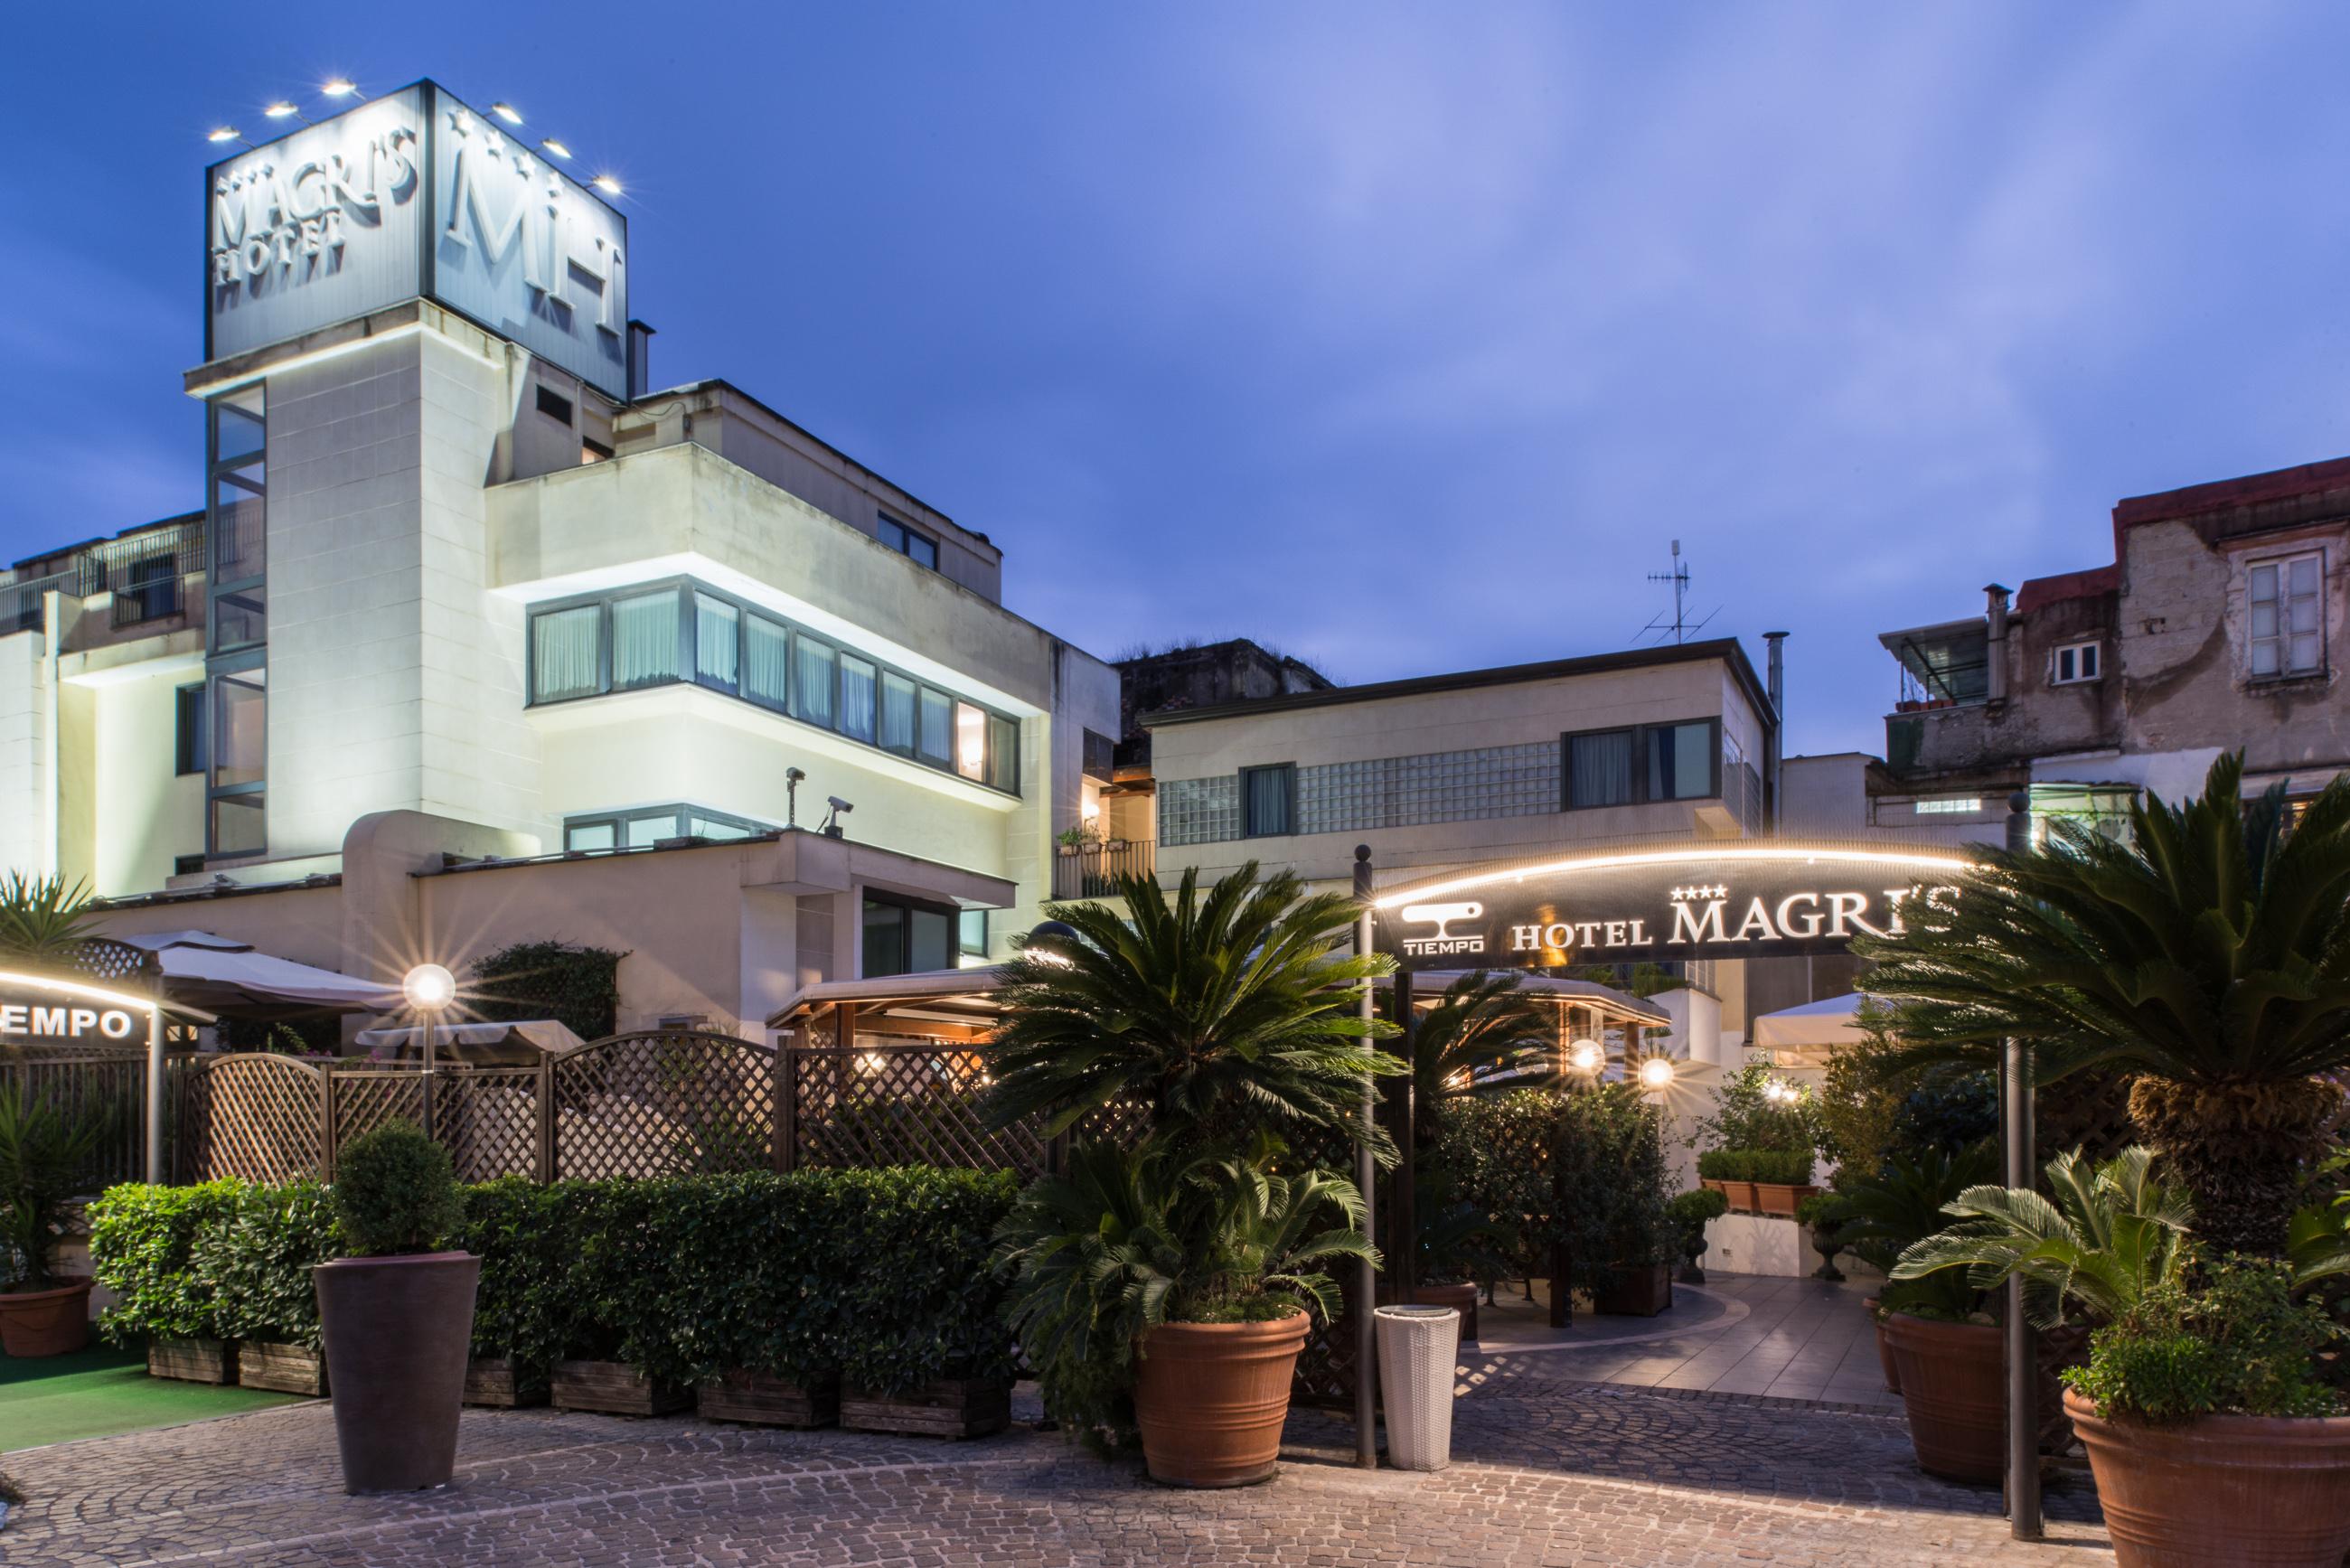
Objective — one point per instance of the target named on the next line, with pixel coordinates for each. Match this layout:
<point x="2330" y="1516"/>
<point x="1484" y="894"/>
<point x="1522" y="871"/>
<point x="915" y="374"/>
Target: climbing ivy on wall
<point x="579" y="987"/>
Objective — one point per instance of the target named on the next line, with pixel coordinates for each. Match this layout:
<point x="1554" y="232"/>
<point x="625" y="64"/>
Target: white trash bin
<point x="1419" y="1352"/>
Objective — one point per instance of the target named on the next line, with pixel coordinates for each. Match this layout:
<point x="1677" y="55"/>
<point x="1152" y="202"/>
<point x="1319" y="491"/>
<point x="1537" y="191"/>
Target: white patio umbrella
<point x="1815" y="1025"/>
<point x="217" y="972"/>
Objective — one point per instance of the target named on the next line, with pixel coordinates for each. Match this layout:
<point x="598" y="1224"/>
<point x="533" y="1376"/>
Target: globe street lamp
<point x="1656" y="1074"/>
<point x="429" y="988"/>
<point x="1588" y="1057"/>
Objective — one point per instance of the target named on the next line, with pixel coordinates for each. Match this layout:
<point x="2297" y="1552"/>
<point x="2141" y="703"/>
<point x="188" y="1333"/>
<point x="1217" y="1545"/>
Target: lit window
<point x="2288" y="634"/>
<point x="971" y="741"/>
<point x="2075" y="662"/>
<point x="1952" y="806"/>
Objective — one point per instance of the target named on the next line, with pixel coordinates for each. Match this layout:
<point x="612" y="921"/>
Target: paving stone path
<point x="1548" y="1472"/>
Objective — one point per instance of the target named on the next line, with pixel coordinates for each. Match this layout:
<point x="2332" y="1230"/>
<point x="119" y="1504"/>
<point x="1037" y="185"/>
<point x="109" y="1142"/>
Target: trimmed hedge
<point x="882" y="1276"/>
<point x="1774" y="1167"/>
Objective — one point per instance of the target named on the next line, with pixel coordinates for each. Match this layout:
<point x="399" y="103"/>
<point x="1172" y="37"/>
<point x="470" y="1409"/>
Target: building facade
<point x="1456" y="772"/>
<point x="2217" y="627"/>
<point x="480" y="639"/>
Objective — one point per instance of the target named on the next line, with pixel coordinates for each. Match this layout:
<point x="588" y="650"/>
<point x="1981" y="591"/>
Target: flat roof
<point x="2276" y="485"/>
<point x="1727" y="649"/>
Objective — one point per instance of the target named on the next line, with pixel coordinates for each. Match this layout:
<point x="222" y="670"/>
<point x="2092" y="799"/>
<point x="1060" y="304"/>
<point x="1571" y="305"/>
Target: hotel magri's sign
<point x="1735" y="899"/>
<point x="413" y="194"/>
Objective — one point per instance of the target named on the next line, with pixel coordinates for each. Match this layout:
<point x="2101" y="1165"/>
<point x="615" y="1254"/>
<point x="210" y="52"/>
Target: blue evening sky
<point x="1404" y="338"/>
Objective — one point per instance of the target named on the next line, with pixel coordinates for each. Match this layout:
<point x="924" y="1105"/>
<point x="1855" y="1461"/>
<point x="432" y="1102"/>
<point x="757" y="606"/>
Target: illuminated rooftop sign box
<point x="411" y="195"/>
<point x="1683" y="901"/>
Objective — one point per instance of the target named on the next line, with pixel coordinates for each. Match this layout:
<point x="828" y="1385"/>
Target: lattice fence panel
<point x="663" y="1104"/>
<point x="369" y="1098"/>
<point x="78" y="1082"/>
<point x="256" y="1117"/>
<point x="488" y="1119"/>
<point x="902" y="1105"/>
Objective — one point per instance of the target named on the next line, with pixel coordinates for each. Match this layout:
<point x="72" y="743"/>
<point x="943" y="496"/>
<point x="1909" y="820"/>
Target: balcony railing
<point x="1092" y="870"/>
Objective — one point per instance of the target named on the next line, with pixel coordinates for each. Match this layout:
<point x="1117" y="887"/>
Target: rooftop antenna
<point x="1680" y="625"/>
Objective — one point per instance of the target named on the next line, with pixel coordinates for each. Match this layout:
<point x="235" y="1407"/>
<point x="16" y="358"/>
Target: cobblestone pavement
<point x="1546" y="1472"/>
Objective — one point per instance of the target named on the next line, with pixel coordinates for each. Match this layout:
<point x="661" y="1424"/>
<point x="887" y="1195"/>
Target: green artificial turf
<point x="101" y="1392"/>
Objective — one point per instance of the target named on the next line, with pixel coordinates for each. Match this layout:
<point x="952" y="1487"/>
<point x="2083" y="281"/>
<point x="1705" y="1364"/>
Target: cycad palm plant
<point x="2210" y="956"/>
<point x="2111" y="1235"/>
<point x="1209" y="1015"/>
<point x="1480" y="1020"/>
<point x="44" y="919"/>
<point x="1125" y="1240"/>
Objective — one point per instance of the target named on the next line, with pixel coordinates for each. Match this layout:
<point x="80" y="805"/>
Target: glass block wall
<point x="1386" y="792"/>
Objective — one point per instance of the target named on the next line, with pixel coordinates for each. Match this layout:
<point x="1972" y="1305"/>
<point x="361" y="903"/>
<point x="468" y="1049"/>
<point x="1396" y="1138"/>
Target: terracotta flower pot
<point x="397" y="1330"/>
<point x="2221" y="1489"/>
<point x="1461" y="1299"/>
<point x="1211" y="1399"/>
<point x="1780" y="1198"/>
<point x="54" y="1321"/>
<point x="1885" y="1362"/>
<point x="1953" y="1386"/>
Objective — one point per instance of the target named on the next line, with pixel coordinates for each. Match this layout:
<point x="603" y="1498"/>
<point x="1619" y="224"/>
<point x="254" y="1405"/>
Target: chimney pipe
<point x="1995" y="643"/>
<point x="1774" y="749"/>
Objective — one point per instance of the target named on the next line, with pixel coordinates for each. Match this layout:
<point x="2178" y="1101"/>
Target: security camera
<point x="839" y="805"/>
<point x="793" y="775"/>
<point x="840" y="808"/>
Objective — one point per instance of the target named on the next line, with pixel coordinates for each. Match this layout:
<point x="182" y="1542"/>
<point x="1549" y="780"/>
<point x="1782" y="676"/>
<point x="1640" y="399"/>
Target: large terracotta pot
<point x="1461" y="1299"/>
<point x="1211" y="1399"/>
<point x="1885" y="1362"/>
<point x="398" y="1331"/>
<point x="1954" y="1389"/>
<point x="54" y="1321"/>
<point x="2221" y="1490"/>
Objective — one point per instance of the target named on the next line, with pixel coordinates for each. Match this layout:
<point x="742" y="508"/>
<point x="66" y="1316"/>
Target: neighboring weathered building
<point x="2217" y="627"/>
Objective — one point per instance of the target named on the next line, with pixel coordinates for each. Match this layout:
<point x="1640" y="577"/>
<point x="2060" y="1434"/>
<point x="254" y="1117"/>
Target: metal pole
<point x="2016" y="1117"/>
<point x="428" y="1075"/>
<point x="155" y="1094"/>
<point x="1366" y="1358"/>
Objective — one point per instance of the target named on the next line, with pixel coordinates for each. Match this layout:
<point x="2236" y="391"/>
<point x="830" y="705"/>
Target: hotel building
<point x="478" y="638"/>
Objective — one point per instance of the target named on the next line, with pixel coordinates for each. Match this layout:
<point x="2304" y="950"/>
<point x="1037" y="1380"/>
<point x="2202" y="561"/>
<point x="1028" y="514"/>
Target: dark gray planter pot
<point x="397" y="1334"/>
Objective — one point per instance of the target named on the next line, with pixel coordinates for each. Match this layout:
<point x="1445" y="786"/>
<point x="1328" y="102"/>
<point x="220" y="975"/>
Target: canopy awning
<point x="959" y="996"/>
<point x="1815" y="1025"/>
<point x="219" y="972"/>
<point x="523" y="1041"/>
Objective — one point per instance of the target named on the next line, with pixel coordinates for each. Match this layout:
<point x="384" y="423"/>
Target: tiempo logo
<point x="1441" y="942"/>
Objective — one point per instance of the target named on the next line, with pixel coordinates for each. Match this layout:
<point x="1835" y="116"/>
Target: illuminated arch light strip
<point x="1710" y="854"/>
<point x="121" y="999"/>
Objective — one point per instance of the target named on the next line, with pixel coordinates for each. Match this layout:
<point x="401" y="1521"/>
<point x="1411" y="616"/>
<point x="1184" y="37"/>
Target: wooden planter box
<point x="193" y="1360"/>
<point x="288" y="1368"/>
<point x="1741" y="1194"/>
<point x="950" y="1407"/>
<point x="768" y="1400"/>
<point x="613" y="1386"/>
<point x="1776" y="1198"/>
<point x="1634" y="1292"/>
<point x="496" y="1381"/>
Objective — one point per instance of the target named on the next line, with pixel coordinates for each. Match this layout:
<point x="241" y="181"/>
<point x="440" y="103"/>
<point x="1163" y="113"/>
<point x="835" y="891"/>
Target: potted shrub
<point x="44" y="1154"/>
<point x="143" y="1248"/>
<point x="254" y="1260"/>
<point x="2210" y="1436"/>
<point x="1610" y="1161"/>
<point x="512" y="1226"/>
<point x="1783" y="1180"/>
<point x="396" y="1313"/>
<point x="1727" y="1172"/>
<point x="917" y="1332"/>
<point x="1219" y="1021"/>
<point x="1940" y="1346"/>
<point x="1823" y="1214"/>
<point x="2112" y="1235"/>
<point x="1690" y="1212"/>
<point x="1170" y="1300"/>
<point x="613" y="1328"/>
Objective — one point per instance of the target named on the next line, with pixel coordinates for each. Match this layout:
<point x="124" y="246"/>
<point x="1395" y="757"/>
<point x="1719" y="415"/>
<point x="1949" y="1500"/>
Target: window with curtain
<point x="1600" y="769"/>
<point x="644" y="640"/>
<point x="813" y="668"/>
<point x="897" y="714"/>
<point x="567" y="653"/>
<point x="1267" y="797"/>
<point x="937" y="739"/>
<point x="857" y="698"/>
<point x="717" y="645"/>
<point x="1681" y="761"/>
<point x="971" y="741"/>
<point x="767" y="662"/>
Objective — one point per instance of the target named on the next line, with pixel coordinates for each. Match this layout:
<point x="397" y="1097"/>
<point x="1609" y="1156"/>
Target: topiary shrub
<point x="395" y="1192"/>
<point x="1774" y="1167"/>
